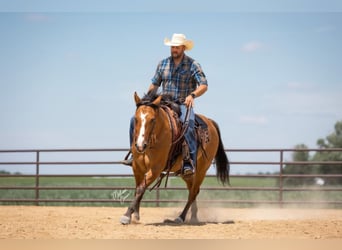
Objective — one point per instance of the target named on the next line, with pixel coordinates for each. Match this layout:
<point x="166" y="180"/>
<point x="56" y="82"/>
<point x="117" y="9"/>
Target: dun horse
<point x="152" y="143"/>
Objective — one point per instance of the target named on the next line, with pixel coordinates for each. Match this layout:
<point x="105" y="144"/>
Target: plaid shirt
<point x="181" y="81"/>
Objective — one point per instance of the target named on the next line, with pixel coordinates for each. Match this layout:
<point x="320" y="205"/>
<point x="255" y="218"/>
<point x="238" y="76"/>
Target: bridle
<point x="151" y="135"/>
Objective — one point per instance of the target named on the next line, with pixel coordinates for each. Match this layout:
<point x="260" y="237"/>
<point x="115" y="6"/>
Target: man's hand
<point x="189" y="101"/>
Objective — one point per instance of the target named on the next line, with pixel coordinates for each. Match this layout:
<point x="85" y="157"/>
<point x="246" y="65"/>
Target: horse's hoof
<point x="194" y="221"/>
<point x="125" y="220"/>
<point x="136" y="217"/>
<point x="179" y="220"/>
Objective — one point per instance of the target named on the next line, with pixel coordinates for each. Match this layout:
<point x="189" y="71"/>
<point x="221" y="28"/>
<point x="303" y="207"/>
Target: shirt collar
<point x="184" y="60"/>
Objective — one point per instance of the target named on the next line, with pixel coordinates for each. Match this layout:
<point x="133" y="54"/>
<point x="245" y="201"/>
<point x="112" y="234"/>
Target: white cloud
<point x="256" y="120"/>
<point x="252" y="46"/>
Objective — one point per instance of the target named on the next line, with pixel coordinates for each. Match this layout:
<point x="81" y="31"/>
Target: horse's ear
<point x="157" y="100"/>
<point x="136" y="98"/>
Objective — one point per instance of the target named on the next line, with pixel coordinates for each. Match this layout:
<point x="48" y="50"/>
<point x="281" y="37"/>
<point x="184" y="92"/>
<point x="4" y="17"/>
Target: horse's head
<point x="146" y="115"/>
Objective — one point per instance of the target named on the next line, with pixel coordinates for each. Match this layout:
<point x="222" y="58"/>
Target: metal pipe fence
<point x="277" y="193"/>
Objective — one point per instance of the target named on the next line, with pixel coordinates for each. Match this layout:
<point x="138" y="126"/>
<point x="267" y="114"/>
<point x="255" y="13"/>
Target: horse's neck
<point x="163" y="120"/>
<point x="172" y="123"/>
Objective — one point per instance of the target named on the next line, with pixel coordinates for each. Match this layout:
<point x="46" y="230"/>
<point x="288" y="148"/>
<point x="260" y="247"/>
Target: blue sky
<point x="68" y="75"/>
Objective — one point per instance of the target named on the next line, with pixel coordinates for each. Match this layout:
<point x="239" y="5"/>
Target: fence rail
<point x="279" y="189"/>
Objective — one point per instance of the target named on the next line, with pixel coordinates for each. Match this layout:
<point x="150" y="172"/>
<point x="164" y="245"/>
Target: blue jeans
<point x="190" y="134"/>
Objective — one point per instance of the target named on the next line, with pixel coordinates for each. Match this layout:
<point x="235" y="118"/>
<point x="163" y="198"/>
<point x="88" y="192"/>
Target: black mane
<point x="151" y="96"/>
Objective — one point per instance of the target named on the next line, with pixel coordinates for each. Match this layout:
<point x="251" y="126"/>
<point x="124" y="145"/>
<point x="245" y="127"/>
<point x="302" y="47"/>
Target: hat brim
<point x="188" y="43"/>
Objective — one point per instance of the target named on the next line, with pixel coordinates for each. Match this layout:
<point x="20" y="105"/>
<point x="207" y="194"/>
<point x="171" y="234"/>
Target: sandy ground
<point x="29" y="222"/>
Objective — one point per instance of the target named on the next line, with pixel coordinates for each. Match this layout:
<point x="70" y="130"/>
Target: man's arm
<point x="201" y="89"/>
<point x="153" y="88"/>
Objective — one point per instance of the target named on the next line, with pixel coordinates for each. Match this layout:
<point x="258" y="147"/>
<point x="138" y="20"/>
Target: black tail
<point x="221" y="160"/>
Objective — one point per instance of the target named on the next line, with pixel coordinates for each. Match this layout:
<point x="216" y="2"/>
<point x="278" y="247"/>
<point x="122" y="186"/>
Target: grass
<point x="120" y="190"/>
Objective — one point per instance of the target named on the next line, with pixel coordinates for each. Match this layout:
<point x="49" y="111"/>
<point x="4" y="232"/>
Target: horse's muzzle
<point x="141" y="148"/>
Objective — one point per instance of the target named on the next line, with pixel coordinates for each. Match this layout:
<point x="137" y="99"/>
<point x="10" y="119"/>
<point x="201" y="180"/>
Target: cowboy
<point x="182" y="78"/>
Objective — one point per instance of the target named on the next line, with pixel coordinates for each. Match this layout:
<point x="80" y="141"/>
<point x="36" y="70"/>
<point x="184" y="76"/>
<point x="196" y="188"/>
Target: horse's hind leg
<point x="193" y="185"/>
<point x="193" y="192"/>
<point x="191" y="200"/>
<point x="194" y="210"/>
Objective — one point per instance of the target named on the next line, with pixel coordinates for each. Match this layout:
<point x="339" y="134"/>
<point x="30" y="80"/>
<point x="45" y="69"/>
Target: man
<point x="182" y="78"/>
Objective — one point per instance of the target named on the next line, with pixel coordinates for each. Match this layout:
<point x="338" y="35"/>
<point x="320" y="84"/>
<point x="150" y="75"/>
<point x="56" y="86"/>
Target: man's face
<point x="177" y="51"/>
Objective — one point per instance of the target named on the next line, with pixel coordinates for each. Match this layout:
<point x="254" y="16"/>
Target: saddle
<point x="179" y="145"/>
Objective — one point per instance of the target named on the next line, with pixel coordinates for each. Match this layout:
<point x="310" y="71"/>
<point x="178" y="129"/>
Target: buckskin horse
<point x="153" y="150"/>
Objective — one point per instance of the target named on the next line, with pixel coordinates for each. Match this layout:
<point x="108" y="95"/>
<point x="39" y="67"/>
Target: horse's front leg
<point x="142" y="183"/>
<point x="134" y="206"/>
<point x="139" y="197"/>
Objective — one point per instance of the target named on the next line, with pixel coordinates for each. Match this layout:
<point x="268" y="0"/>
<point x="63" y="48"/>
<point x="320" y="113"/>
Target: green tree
<point x="334" y="140"/>
<point x="298" y="156"/>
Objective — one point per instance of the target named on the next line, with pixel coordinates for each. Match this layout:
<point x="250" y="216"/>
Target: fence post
<point x="157" y="197"/>
<point x="281" y="178"/>
<point x="37" y="178"/>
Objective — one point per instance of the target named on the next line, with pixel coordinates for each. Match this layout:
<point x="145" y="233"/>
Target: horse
<point x="151" y="147"/>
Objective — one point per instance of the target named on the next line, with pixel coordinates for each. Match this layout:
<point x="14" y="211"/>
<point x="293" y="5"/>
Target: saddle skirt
<point x="178" y="129"/>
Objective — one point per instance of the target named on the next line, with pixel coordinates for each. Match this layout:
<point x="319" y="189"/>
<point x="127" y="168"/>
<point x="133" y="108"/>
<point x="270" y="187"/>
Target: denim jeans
<point x="190" y="134"/>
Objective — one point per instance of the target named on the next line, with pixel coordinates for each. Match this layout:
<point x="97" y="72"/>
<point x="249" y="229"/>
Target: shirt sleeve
<point x="157" y="78"/>
<point x="198" y="74"/>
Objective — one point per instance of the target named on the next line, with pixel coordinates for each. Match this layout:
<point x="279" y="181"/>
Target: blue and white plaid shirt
<point x="181" y="81"/>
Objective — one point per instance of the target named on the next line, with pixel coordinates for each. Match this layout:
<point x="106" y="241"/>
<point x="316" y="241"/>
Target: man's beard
<point x="176" y="55"/>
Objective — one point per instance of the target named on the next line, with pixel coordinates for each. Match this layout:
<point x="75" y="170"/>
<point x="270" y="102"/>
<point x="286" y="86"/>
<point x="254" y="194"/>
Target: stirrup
<point x="128" y="160"/>
<point x="187" y="169"/>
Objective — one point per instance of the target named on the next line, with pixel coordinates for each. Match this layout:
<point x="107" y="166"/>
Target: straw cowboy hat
<point x="178" y="40"/>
